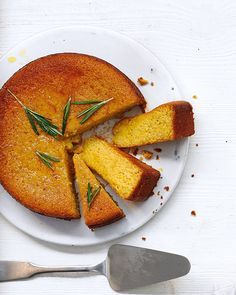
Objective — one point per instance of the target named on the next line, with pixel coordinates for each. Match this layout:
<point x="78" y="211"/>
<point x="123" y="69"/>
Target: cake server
<point x="126" y="267"/>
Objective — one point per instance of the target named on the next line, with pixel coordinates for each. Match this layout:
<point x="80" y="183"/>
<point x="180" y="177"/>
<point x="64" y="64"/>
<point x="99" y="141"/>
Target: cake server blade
<point x="131" y="267"/>
<point x="126" y="267"/>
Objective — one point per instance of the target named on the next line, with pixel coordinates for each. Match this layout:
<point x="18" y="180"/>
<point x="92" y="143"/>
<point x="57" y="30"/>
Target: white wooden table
<point x="196" y="40"/>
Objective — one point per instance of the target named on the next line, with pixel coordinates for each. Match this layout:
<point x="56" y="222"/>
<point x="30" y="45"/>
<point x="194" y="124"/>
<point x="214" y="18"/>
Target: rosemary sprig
<point x="66" y="115"/>
<point x="47" y="159"/>
<point x="45" y="124"/>
<point x="91" y="110"/>
<point x="86" y="102"/>
<point x="91" y="194"/>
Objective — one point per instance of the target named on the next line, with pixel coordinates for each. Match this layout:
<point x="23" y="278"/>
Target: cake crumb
<point x="161" y="204"/>
<point x="152" y="83"/>
<point x="172" y="88"/>
<point x="192" y="175"/>
<point x="194" y="96"/>
<point x="152" y="69"/>
<point x="144" y="238"/>
<point x="193" y="213"/>
<point x="142" y="81"/>
<point x="196" y="144"/>
<point x="158" y="193"/>
<point x="147" y="155"/>
<point x="226" y="141"/>
<point x="141" y="158"/>
<point x="161" y="197"/>
<point x="157" y="157"/>
<point x="158" y="150"/>
<point x="167" y="188"/>
<point x="92" y="229"/>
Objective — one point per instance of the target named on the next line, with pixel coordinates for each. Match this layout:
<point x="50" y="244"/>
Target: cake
<point x="169" y="121"/>
<point x="45" y="86"/>
<point x="131" y="179"/>
<point x="103" y="210"/>
<point x="47" y="83"/>
<point x="46" y="107"/>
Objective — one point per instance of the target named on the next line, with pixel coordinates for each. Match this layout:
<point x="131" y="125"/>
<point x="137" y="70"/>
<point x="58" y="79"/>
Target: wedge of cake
<point x="130" y="178"/>
<point x="170" y="121"/>
<point x="98" y="209"/>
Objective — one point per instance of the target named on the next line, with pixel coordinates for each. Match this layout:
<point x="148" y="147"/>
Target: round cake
<point x="44" y="86"/>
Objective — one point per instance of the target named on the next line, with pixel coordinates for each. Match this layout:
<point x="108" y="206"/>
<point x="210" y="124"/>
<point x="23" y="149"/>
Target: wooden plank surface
<point x="196" y="41"/>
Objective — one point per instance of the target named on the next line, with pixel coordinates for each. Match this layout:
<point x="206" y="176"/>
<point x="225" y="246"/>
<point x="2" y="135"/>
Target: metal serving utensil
<point x="126" y="267"/>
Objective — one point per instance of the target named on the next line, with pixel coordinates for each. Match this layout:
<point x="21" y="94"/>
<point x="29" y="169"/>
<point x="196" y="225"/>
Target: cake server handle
<point x="17" y="270"/>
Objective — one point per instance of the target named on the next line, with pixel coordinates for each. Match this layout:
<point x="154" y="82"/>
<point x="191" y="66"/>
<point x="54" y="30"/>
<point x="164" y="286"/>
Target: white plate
<point x="135" y="61"/>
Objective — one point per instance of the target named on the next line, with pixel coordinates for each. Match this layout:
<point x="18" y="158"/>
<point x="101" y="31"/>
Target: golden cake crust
<point x="183" y="113"/>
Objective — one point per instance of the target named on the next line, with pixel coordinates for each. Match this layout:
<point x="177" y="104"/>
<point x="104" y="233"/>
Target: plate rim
<point x="187" y="140"/>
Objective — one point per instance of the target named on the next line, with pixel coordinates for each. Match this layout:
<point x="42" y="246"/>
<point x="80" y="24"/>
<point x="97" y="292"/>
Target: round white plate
<point x="135" y="61"/>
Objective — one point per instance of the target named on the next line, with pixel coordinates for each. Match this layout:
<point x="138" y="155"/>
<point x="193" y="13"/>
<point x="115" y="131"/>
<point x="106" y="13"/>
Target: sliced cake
<point x="170" y="121"/>
<point x="98" y="208"/>
<point x="130" y="178"/>
<point x="44" y="86"/>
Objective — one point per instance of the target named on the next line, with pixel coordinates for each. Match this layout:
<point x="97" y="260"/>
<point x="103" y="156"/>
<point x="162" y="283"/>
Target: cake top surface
<point x="45" y="86"/>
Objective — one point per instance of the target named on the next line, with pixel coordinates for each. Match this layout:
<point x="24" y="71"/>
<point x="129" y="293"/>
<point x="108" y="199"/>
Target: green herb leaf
<point x="45" y="124"/>
<point x="91" y="110"/>
<point x="96" y="192"/>
<point x="90" y="113"/>
<point x="86" y="111"/>
<point x="32" y="123"/>
<point x="91" y="194"/>
<point x="86" y="102"/>
<point x="47" y="159"/>
<point x="66" y="115"/>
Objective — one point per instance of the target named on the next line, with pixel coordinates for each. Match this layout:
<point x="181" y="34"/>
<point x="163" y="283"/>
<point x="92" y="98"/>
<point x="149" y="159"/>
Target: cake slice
<point x="130" y="178"/>
<point x="102" y="210"/>
<point x="170" y="121"/>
